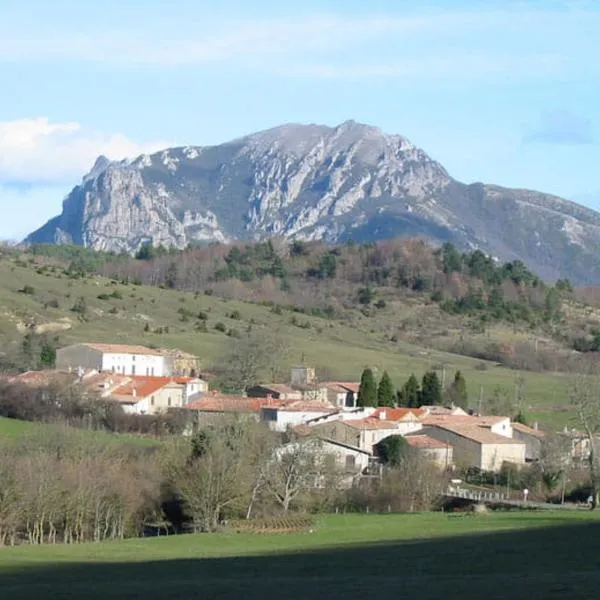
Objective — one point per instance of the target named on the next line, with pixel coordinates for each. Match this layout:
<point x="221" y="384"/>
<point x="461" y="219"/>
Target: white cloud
<point x="38" y="150"/>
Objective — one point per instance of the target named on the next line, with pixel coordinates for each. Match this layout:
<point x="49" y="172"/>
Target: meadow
<point x="435" y="555"/>
<point x="160" y="317"/>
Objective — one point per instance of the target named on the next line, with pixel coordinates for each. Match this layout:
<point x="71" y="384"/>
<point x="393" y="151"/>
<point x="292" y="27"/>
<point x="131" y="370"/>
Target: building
<point x="115" y="358"/>
<point x="215" y="405"/>
<point x="407" y="419"/>
<point x="277" y="391"/>
<point x="182" y="363"/>
<point x="287" y="415"/>
<point x="477" y="446"/>
<point x="342" y="394"/>
<point x="149" y="395"/>
<point x="498" y="425"/>
<point x="301" y="375"/>
<point x="441" y="453"/>
<point x="532" y="438"/>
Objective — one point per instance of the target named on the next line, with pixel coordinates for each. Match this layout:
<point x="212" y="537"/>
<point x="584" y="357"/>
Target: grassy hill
<point x="43" y="298"/>
<point x="519" y="555"/>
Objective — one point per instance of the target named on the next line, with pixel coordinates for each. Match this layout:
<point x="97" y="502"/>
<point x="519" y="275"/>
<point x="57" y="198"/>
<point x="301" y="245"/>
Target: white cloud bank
<point x="38" y="150"/>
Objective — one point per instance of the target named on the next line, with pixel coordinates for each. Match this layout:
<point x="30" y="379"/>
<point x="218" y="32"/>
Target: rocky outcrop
<point x="316" y="182"/>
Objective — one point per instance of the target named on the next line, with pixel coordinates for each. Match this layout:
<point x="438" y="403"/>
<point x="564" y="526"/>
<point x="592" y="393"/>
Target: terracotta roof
<point x="370" y="423"/>
<point x="477" y="433"/>
<point x="346" y="386"/>
<point x="280" y="388"/>
<point x="233" y="404"/>
<point x="305" y="406"/>
<point x="483" y="421"/>
<point x="528" y="430"/>
<point x="399" y="414"/>
<point x="425" y="442"/>
<point x="44" y="378"/>
<point x="122" y="349"/>
<point x="143" y="387"/>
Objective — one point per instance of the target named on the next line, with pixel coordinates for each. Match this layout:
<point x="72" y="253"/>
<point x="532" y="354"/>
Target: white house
<point x="115" y="358"/>
<point x="282" y="417"/>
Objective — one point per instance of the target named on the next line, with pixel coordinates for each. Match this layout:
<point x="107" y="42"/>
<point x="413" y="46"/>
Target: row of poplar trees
<point x="413" y="393"/>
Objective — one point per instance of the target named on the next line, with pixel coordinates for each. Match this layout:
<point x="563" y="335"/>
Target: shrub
<point x="28" y="290"/>
<point x="220" y="327"/>
<point x="235" y="315"/>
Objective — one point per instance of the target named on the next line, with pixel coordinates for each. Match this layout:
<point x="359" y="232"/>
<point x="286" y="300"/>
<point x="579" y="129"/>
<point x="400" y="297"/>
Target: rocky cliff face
<point x="316" y="182"/>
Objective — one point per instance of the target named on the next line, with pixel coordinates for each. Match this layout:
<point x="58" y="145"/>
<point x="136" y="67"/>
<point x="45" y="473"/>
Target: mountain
<point x="350" y="182"/>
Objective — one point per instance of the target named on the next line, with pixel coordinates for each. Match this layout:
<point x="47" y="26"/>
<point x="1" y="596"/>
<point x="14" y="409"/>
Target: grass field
<point x="344" y="347"/>
<point x="516" y="555"/>
<point x="11" y="429"/>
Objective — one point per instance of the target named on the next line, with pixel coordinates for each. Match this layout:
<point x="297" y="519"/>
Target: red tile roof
<point x="307" y="406"/>
<point x="371" y="423"/>
<point x="425" y="442"/>
<point x="483" y="421"/>
<point x="144" y="387"/>
<point x="399" y="414"/>
<point x="478" y="434"/>
<point x="123" y="349"/>
<point x="346" y="386"/>
<point x="528" y="430"/>
<point x="222" y="403"/>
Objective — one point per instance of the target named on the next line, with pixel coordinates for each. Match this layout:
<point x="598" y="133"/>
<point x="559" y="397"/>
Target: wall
<point x="467" y="453"/>
<point x="442" y="457"/>
<point x="495" y="455"/>
<point x="286" y="418"/>
<point x="136" y="364"/>
<point x="503" y="428"/>
<point x="533" y="444"/>
<point x="170" y="396"/>
<point x="360" y="459"/>
<point x="78" y="355"/>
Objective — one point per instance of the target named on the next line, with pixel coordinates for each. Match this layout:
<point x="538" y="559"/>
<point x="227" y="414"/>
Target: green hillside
<point x="41" y="299"/>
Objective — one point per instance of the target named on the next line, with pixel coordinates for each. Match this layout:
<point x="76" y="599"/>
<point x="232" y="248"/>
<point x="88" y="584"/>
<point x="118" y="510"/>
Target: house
<point x="477" y="446"/>
<point x="182" y="363"/>
<point x="407" y="419"/>
<point x="342" y="393"/>
<point x="115" y="358"/>
<point x="441" y="453"/>
<point x="301" y="375"/>
<point x="290" y="414"/>
<point x="278" y="391"/>
<point x="498" y="425"/>
<point x="359" y="433"/>
<point x="532" y="438"/>
<point x="215" y="405"/>
<point x="149" y="395"/>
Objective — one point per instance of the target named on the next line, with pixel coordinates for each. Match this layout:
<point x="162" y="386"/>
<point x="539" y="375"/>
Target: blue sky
<point x="502" y="92"/>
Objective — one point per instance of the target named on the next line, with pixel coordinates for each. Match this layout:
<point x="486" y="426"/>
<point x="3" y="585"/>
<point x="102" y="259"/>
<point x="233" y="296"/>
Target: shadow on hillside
<point x="554" y="562"/>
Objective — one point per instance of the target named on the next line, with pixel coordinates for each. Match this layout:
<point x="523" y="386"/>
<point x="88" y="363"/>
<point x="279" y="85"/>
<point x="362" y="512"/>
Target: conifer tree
<point x="385" y="391"/>
<point x="367" y="392"/>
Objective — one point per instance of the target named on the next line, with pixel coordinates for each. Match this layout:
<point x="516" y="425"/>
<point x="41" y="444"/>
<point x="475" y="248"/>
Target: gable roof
<point x="483" y="421"/>
<point x="478" y="434"/>
<point x="137" y="388"/>
<point x="426" y="442"/>
<point x="306" y="406"/>
<point x="343" y="386"/>
<point x="528" y="430"/>
<point x="231" y="404"/>
<point x="122" y="349"/>
<point x="370" y="423"/>
<point x="346" y="446"/>
<point x="279" y="388"/>
<point x="399" y="414"/>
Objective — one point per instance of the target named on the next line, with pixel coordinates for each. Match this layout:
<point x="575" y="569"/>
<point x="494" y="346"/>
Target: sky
<point x="504" y="92"/>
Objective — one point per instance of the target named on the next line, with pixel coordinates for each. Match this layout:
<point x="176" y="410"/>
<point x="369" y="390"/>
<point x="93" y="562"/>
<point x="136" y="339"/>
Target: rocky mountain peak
<point x="351" y="181"/>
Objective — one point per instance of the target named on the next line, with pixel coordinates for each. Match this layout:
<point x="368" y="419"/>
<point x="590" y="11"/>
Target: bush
<point x="220" y="327"/>
<point x="28" y="290"/>
<point x="235" y="315"/>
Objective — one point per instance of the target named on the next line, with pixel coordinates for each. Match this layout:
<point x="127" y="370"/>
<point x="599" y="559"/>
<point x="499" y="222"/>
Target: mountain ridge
<point x="349" y="182"/>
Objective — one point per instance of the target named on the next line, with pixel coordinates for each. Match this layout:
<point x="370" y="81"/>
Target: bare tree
<point x="584" y="395"/>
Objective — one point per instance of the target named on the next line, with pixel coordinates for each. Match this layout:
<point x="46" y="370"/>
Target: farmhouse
<point x="477" y="446"/>
<point x="441" y="453"/>
<point x="115" y="358"/>
<point x="531" y="437"/>
<point x="342" y="394"/>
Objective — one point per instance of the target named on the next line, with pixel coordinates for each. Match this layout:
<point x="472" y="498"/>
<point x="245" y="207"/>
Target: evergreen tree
<point x="385" y="391"/>
<point x="431" y="390"/>
<point x="457" y="394"/>
<point x="367" y="393"/>
<point x="392" y="450"/>
<point x="409" y="395"/>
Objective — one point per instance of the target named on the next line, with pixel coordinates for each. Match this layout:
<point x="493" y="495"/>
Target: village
<point x="146" y="381"/>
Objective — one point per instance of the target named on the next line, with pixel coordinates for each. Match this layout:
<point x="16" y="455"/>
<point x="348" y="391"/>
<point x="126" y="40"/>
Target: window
<point x="147" y="371"/>
<point x="152" y="401"/>
<point x="152" y="371"/>
<point x="169" y="401"/>
<point x="350" y="461"/>
<point x="133" y="369"/>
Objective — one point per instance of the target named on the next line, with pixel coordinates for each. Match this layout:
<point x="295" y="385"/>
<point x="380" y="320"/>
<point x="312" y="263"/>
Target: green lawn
<point x="14" y="428"/>
<point x="516" y="555"/>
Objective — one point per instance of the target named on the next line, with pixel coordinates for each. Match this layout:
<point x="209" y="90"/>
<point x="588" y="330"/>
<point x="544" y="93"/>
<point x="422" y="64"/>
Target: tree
<point x="451" y="258"/>
<point x="583" y="394"/>
<point x="457" y="394"/>
<point x="410" y="394"/>
<point x="256" y="356"/>
<point x="431" y="390"/>
<point x="367" y="392"/>
<point x="385" y="391"/>
<point x="392" y="450"/>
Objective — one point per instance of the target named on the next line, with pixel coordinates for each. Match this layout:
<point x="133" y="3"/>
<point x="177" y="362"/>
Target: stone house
<point x="441" y="453"/>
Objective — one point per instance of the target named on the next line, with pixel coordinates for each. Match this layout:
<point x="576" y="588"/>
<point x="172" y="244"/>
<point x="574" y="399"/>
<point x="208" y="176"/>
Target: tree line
<point x="412" y="394"/>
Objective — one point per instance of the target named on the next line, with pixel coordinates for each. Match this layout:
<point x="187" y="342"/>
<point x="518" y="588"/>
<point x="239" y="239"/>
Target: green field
<point x="516" y="555"/>
<point x="344" y="347"/>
